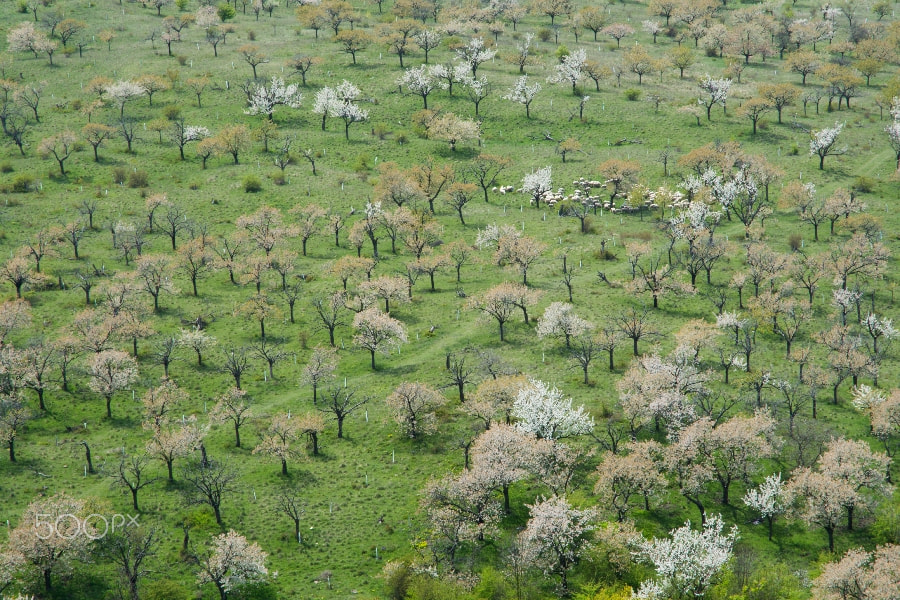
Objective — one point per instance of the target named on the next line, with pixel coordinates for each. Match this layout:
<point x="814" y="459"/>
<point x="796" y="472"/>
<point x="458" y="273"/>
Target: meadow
<point x="362" y="493"/>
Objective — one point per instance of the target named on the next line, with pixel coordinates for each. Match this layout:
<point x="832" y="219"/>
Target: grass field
<point x="362" y="493"/>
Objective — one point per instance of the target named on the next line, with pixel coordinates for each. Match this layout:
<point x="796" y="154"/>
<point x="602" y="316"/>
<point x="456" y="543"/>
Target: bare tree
<point x="341" y="402"/>
<point x="210" y="482"/>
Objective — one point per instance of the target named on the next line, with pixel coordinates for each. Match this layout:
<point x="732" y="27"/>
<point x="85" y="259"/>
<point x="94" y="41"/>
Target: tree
<point x="460" y="509"/>
<point x="637" y="60"/>
<point x="121" y="92"/>
<point x="458" y="195"/>
<point x="263" y="98"/>
<point x="767" y="499"/>
<point x="818" y="499"/>
<point x="198" y="341"/>
<point x="18" y="272"/>
<point x="183" y="134"/>
<point x="195" y="260"/>
<point x="714" y="91"/>
<point x="854" y="463"/>
<point x="474" y="54"/>
<point x="346" y="108"/>
<point x="278" y="441"/>
<point x="353" y="42"/>
<point x="570" y="69"/>
<point x="233" y="139"/>
<point x="823" y="143"/>
<point x="412" y="406"/>
<point x="319" y="369"/>
<point x="49" y="537"/>
<point x="459" y="253"/>
<point x="860" y="574"/>
<point x="542" y="411"/>
<point x="620" y="175"/>
<point x="523" y="56"/>
<point x="620" y="477"/>
<point x="132" y="475"/>
<point x="454" y="130"/>
<point x="618" y="32"/>
<point x="329" y="310"/>
<point x="556" y="535"/>
<point x="60" y="146"/>
<point x="233" y="406"/>
<point x="211" y="481"/>
<point x="14" y="416"/>
<point x="341" y="403"/>
<point x="485" y="169"/>
<point x="112" y="371"/>
<point x="231" y="563"/>
<point x="754" y="109"/>
<point x="779" y="95"/>
<point x="170" y="443"/>
<point x="128" y="547"/>
<point x="153" y="272"/>
<point x="682" y="57"/>
<point x="688" y="563"/>
<point x="419" y="81"/>
<point x="291" y="504"/>
<point x="657" y="279"/>
<point x="427" y="40"/>
<point x="560" y="320"/>
<point x="804" y="62"/>
<point x="398" y="37"/>
<point x="96" y="134"/>
<point x="387" y="288"/>
<point x="377" y="332"/>
<point x="524" y="94"/>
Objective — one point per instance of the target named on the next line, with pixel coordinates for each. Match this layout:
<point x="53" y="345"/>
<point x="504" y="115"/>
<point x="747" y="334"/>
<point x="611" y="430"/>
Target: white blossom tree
<point x="232" y="562"/>
<point x="767" y="499"/>
<point x="559" y="320"/>
<point x="714" y="91"/>
<point x="688" y="562"/>
<point x="523" y="93"/>
<point x="556" y="535"/>
<point x="893" y="130"/>
<point x="263" y="98"/>
<point x="346" y="107"/>
<point x="860" y="575"/>
<point x="570" y="69"/>
<point x="412" y="405"/>
<point x="377" y="332"/>
<point x="419" y="81"/>
<point x="112" y="371"/>
<point x="824" y="143"/>
<point x="474" y="53"/>
<point x="325" y="103"/>
<point x="542" y="411"/>
<point x="537" y="183"/>
<point x="122" y="91"/>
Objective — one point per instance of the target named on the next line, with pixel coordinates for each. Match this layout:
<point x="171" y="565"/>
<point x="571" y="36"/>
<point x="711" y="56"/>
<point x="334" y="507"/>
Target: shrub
<point x="6" y="168"/>
<point x="138" y="179"/>
<point x="794" y="151"/>
<point x="632" y="94"/>
<point x="172" y="112"/>
<point x="864" y="184"/>
<point x="795" y="240"/>
<point x="182" y="59"/>
<point x="381" y="131"/>
<point x="278" y="178"/>
<point x="402" y="138"/>
<point x="362" y="163"/>
<point x="120" y="174"/>
<point x="561" y="52"/>
<point x="182" y="4"/>
<point x="251" y="35"/>
<point x="23" y="183"/>
<point x="544" y="34"/>
<point x="252" y="184"/>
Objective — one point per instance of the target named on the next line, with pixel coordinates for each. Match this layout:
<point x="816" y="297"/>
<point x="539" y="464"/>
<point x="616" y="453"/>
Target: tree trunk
<point x="12" y="450"/>
<point x="134" y="502"/>
<point x="171" y="478"/>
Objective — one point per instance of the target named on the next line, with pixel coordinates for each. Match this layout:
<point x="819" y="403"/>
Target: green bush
<point x="138" y="179"/>
<point x="561" y="52"/>
<point x="632" y="94"/>
<point x="252" y="184"/>
<point x="182" y="4"/>
<point x="362" y="163"/>
<point x="23" y="183"/>
<point x="795" y="241"/>
<point x="864" y="184"/>
<point x="120" y="174"/>
<point x="544" y="34"/>
<point x="225" y="11"/>
<point x="172" y="112"/>
<point x="6" y="168"/>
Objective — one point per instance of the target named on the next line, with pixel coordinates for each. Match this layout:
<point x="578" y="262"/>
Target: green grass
<point x="347" y="518"/>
